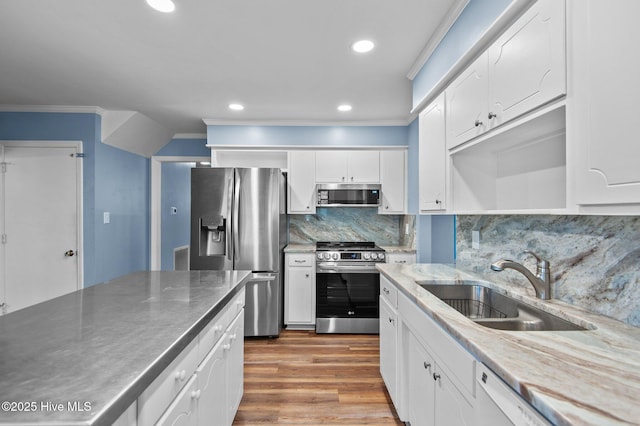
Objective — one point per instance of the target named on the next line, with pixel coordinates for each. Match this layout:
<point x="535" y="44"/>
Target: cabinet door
<point x="421" y="385"/>
<point x="401" y="258"/>
<point x="432" y="157"/>
<point x="388" y="347"/>
<point x="363" y="166"/>
<point x="235" y="367"/>
<point x="452" y="409"/>
<point x="466" y="100"/>
<point x="604" y="109"/>
<point x="527" y="63"/>
<point x="332" y="167"/>
<point x="393" y="182"/>
<point x="301" y="182"/>
<point x="212" y="379"/>
<point x="300" y="296"/>
<point x="182" y="411"/>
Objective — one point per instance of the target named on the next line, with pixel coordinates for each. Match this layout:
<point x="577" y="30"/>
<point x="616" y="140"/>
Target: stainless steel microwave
<point x="348" y="195"/>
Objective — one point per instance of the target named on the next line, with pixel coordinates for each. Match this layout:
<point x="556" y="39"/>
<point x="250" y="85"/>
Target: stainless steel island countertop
<point x="586" y="377"/>
<point x="85" y="357"/>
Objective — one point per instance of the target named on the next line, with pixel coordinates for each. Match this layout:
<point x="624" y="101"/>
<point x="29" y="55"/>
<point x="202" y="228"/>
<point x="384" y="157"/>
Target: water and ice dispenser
<point x="213" y="235"/>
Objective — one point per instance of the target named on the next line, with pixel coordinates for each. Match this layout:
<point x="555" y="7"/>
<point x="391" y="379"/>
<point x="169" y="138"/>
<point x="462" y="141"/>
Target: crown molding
<point x="293" y="123"/>
<point x="452" y="15"/>
<point x="190" y="136"/>
<point x="286" y="148"/>
<point x="53" y="108"/>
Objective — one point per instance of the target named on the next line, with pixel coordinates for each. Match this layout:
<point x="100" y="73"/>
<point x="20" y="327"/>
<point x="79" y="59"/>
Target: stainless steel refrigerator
<point x="238" y="221"/>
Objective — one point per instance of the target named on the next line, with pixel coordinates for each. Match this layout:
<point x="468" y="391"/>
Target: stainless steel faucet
<point x="541" y="281"/>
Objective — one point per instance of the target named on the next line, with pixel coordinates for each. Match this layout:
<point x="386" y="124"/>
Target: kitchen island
<point x="86" y="357"/>
<point x="571" y="377"/>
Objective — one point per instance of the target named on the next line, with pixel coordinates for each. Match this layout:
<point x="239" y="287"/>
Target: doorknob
<point x="69" y="253"/>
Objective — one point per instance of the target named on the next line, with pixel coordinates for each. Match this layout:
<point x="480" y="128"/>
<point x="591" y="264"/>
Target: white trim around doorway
<point x="156" y="199"/>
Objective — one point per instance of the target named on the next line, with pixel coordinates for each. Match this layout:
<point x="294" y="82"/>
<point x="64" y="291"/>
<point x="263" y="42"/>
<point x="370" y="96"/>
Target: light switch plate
<point x="106" y="217"/>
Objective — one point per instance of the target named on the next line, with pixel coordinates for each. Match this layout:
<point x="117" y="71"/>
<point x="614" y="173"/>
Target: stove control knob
<point x="327" y="256"/>
<point x="334" y="256"/>
<point x="381" y="256"/>
<point x="366" y="255"/>
<point x="319" y="256"/>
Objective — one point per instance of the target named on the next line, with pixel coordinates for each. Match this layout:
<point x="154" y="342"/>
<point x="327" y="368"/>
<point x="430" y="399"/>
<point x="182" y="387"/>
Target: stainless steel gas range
<point x="347" y="287"/>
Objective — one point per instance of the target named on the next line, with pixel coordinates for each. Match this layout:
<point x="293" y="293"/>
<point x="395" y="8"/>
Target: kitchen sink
<point x="492" y="309"/>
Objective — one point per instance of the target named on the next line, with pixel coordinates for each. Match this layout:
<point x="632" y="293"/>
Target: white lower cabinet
<point x="429" y="376"/>
<point x="204" y="384"/>
<point x="300" y="290"/>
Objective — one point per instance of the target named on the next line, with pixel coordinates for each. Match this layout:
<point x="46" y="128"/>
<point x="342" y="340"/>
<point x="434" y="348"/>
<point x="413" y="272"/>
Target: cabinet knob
<point x="351" y="178"/>
<point x="195" y="394"/>
<point x="226" y="347"/>
<point x="306" y="275"/>
<point x="492" y="115"/>
<point x="478" y="123"/>
<point x="180" y="375"/>
<point x="438" y="201"/>
<point x="427" y="365"/>
<point x="436" y="376"/>
<point x="391" y="320"/>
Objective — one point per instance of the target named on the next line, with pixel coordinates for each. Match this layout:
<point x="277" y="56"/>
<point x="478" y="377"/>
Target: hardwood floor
<point x="308" y="378"/>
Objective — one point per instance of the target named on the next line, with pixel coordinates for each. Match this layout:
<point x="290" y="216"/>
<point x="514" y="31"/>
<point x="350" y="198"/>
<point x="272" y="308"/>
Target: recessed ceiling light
<point x="165" y="6"/>
<point x="344" y="108"/>
<point x="363" y="46"/>
<point x="236" y="107"/>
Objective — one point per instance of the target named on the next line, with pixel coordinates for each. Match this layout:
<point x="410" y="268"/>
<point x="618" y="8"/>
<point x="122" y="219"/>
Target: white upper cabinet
<point x="467" y="99"/>
<point x="527" y="63"/>
<point x="301" y="182"/>
<point x="393" y="177"/>
<point x="347" y="166"/>
<point x="603" y="70"/>
<point x="523" y="69"/>
<point x="433" y="157"/>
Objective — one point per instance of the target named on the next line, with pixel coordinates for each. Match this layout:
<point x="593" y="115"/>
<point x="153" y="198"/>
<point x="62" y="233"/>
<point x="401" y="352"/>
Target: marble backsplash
<point x="595" y="260"/>
<point x="352" y="224"/>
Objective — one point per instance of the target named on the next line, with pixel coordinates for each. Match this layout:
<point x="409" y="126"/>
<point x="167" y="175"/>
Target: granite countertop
<point x="300" y="248"/>
<point x="571" y="377"/>
<point x="101" y="346"/>
<point x="311" y="248"/>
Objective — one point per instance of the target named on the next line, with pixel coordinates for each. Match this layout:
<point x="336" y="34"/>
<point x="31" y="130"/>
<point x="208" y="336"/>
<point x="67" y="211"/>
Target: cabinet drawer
<point x="301" y="259"/>
<point x="458" y="364"/>
<point x="388" y="291"/>
<point x="157" y="397"/>
<point x="213" y="331"/>
<point x="401" y="258"/>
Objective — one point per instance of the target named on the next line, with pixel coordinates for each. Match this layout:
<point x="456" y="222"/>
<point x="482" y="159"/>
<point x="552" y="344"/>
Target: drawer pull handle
<point x="427" y="365"/>
<point x="492" y="115"/>
<point x="478" y="123"/>
<point x="385" y="290"/>
<point x="180" y="375"/>
<point x="436" y="376"/>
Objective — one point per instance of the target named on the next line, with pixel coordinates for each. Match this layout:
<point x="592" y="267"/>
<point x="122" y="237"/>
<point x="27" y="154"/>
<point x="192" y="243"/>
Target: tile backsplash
<point x="595" y="260"/>
<point x="352" y="224"/>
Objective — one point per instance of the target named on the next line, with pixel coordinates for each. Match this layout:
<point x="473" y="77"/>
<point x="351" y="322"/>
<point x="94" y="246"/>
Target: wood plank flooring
<point x="304" y="378"/>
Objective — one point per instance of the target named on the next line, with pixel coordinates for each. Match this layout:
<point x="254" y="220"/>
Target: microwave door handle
<point x="236" y="217"/>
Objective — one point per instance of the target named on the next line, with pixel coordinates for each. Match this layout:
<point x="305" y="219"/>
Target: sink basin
<point x="492" y="309"/>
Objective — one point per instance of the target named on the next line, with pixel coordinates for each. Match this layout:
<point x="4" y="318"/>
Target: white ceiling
<point x="286" y="60"/>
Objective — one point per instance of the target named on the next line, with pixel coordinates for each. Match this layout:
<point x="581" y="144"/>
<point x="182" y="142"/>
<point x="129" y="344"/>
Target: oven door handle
<point x="336" y="269"/>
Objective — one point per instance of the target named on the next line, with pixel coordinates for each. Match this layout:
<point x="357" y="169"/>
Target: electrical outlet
<point x="475" y="240"/>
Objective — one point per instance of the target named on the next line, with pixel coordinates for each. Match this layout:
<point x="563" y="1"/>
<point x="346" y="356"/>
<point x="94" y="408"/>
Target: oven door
<point x="347" y="298"/>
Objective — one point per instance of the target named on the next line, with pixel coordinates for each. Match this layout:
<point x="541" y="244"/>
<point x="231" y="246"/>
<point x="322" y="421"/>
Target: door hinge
<point x="4" y="238"/>
<point x="78" y="155"/>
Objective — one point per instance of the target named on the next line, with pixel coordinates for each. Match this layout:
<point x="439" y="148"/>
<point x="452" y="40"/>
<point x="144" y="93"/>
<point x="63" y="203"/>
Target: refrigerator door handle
<point x="263" y="277"/>
<point x="236" y="216"/>
<point x="231" y="228"/>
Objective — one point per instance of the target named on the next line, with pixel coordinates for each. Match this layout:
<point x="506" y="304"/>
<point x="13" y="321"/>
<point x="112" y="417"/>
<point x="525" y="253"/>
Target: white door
<point x="41" y="216"/>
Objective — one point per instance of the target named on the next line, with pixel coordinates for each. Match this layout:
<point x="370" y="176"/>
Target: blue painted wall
<point x="176" y="192"/>
<point x="474" y="20"/>
<point x="113" y="180"/>
<point x="185" y="147"/>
